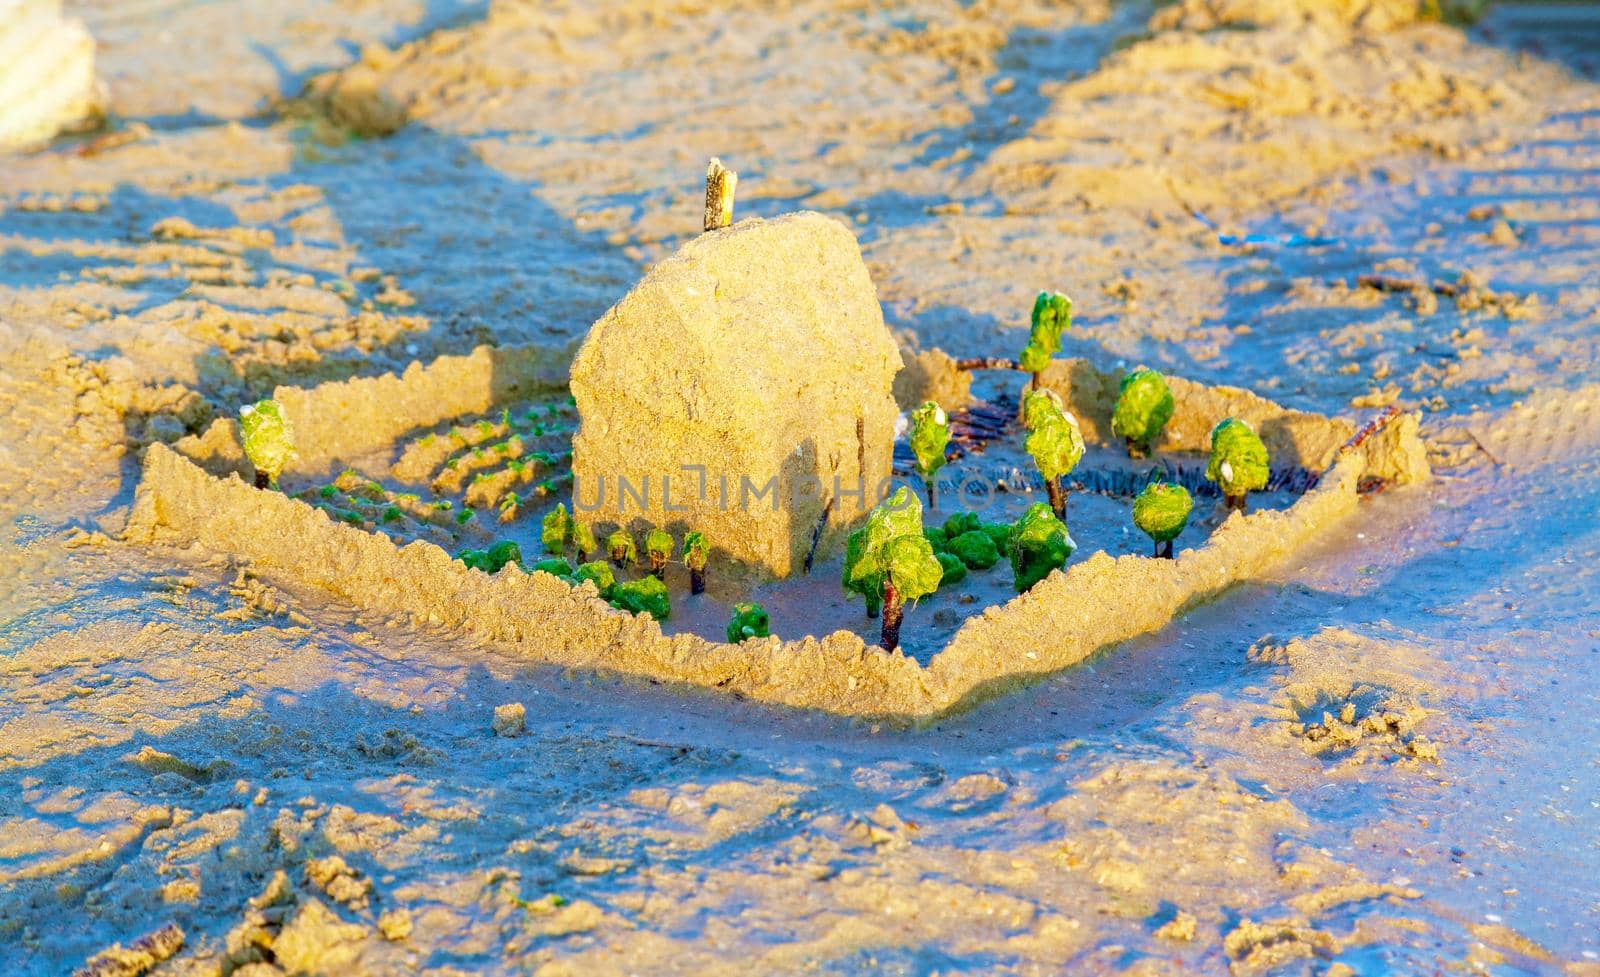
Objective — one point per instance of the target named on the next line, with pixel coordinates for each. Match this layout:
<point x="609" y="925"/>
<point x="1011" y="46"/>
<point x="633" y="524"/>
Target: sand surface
<point x="1386" y="759"/>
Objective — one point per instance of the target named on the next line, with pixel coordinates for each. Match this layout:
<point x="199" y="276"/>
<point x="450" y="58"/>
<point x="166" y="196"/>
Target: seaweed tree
<point x="748" y="621"/>
<point x="268" y="440"/>
<point x="1055" y="443"/>
<point x="695" y="553"/>
<point x="583" y="543"/>
<point x="658" y="549"/>
<point x="1144" y="406"/>
<point x="1039" y="544"/>
<point x="1161" y="511"/>
<point x="1238" y="461"/>
<point x="555" y="531"/>
<point x="622" y="549"/>
<point x="1052" y="316"/>
<point x="894" y="556"/>
<point x="930" y="434"/>
<point x="869" y="586"/>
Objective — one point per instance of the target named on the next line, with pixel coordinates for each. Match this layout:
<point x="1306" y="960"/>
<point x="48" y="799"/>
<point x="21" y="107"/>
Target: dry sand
<point x="1381" y="760"/>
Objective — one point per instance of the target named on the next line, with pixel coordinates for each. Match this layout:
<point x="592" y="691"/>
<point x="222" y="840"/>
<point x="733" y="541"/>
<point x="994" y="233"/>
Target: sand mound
<point x="744" y="386"/>
<point x="47" y="79"/>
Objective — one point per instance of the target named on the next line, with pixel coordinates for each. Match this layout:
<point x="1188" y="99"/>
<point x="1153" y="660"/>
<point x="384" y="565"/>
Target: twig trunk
<point x="1058" y="497"/>
<point x="893" y="612"/>
<point x="697" y="580"/>
<point x="1235" y="502"/>
<point x="262" y="480"/>
<point x="1164" y="550"/>
<point x="658" y="567"/>
<point x="933" y="493"/>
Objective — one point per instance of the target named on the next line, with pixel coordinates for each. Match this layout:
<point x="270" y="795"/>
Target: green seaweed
<point x="599" y="573"/>
<point x="748" y="621"/>
<point x="930" y="435"/>
<point x="1039" y="545"/>
<point x="894" y="553"/>
<point x="1161" y="512"/>
<point x="1144" y="406"/>
<point x="647" y="595"/>
<point x="268" y="440"/>
<point x="954" y="570"/>
<point x="976" y="549"/>
<point x="1239" y="461"/>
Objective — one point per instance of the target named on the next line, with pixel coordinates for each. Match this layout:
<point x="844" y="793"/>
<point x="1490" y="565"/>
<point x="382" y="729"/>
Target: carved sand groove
<point x="1098" y="602"/>
<point x="352" y="418"/>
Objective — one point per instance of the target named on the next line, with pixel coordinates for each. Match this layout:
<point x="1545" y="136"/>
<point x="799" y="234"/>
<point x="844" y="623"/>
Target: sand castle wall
<point x="1066" y="618"/>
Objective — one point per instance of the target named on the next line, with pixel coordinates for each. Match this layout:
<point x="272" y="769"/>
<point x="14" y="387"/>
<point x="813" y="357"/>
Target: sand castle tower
<point x="743" y="389"/>
<point x="46" y="73"/>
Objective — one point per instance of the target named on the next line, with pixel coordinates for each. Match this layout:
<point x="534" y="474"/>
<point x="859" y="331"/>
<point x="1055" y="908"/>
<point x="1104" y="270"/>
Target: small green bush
<point x="748" y="621"/>
<point x="954" y="570"/>
<point x="647" y="595"/>
<point x="976" y="549"/>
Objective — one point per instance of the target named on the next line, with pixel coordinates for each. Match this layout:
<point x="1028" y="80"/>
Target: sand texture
<point x="288" y="727"/>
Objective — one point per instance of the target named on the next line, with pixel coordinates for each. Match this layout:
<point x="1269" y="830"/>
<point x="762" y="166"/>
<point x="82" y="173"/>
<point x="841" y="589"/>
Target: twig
<point x="1390" y="283"/>
<point x="720" y="185"/>
<point x="987" y="363"/>
<point x="1370" y="428"/>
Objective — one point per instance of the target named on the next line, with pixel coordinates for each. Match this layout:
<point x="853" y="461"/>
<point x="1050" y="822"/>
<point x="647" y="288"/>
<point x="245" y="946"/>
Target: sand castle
<point x="47" y="81"/>
<point x="742" y="389"/>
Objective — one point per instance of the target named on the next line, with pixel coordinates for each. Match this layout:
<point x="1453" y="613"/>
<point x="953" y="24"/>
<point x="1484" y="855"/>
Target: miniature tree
<point x="647" y="595"/>
<point x="1039" y="545"/>
<point x="1238" y="461"/>
<point x="930" y="433"/>
<point x="869" y="586"/>
<point x="1144" y="406"/>
<point x="622" y="548"/>
<point x="1055" y="443"/>
<point x="748" y="621"/>
<point x="894" y="553"/>
<point x="658" y="548"/>
<point x="1052" y="316"/>
<point x="555" y="532"/>
<point x="695" y="552"/>
<point x="268" y="440"/>
<point x="583" y="543"/>
<point x="1161" y="511"/>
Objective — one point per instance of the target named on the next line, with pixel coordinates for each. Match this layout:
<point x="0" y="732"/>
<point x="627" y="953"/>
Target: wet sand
<point x="1381" y="760"/>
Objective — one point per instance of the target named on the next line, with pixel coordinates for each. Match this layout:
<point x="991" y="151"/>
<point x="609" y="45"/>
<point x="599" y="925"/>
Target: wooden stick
<point x="1370" y="428"/>
<point x="720" y="185"/>
<point x="987" y="363"/>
